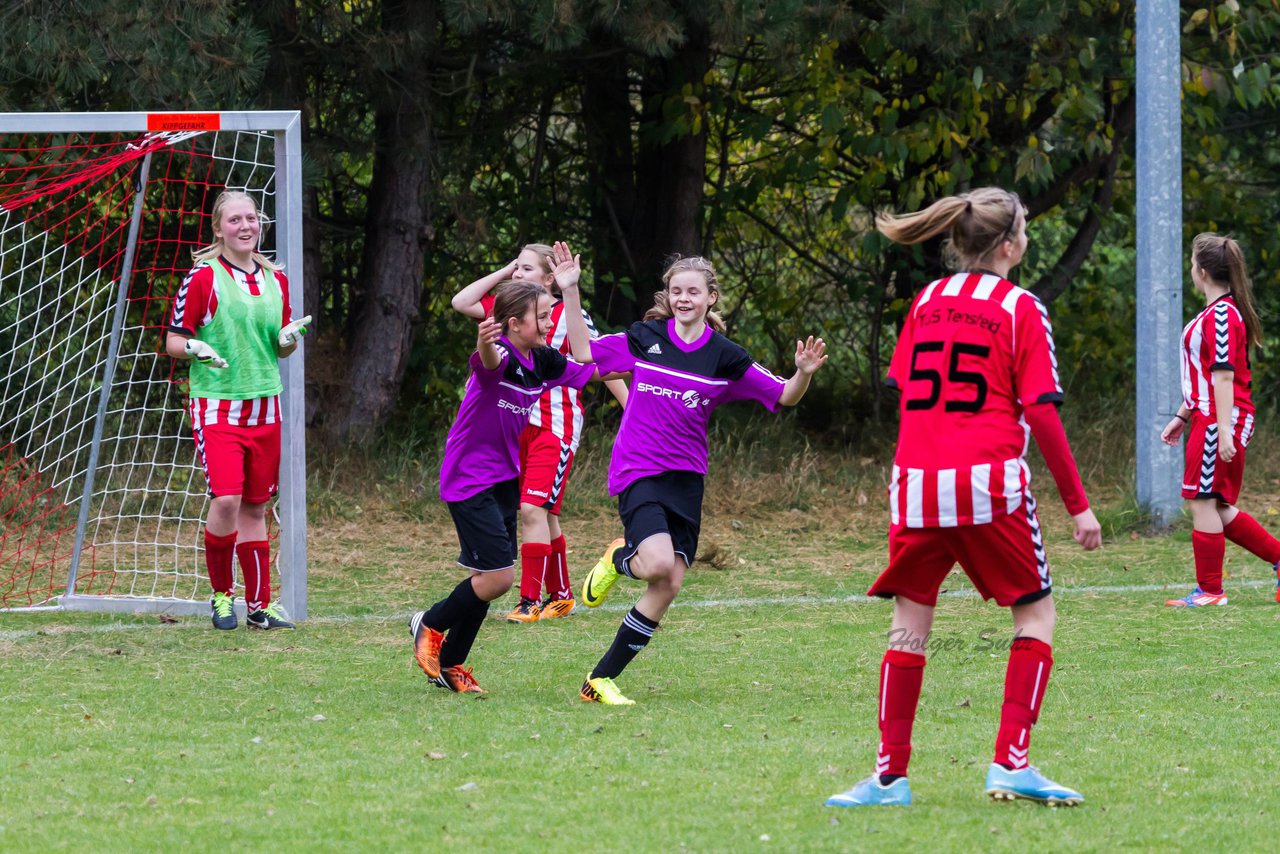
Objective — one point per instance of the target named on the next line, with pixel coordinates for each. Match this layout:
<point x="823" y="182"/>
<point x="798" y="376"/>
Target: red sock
<point x="533" y="566"/>
<point x="1208" y="550"/>
<point x="901" y="675"/>
<point x="217" y="559"/>
<point x="1246" y="533"/>
<point x="1025" y="679"/>
<point x="255" y="567"/>
<point x="558" y="571"/>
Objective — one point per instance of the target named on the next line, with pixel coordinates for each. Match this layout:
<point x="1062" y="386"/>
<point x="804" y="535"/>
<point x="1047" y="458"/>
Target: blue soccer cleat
<point x="1029" y="783"/>
<point x="1198" y="599"/>
<point x="869" y="793"/>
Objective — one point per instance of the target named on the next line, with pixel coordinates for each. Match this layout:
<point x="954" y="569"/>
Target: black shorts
<point x="669" y="503"/>
<point x="486" y="524"/>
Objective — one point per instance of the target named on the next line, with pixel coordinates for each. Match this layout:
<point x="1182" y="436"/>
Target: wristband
<point x="1181" y="417"/>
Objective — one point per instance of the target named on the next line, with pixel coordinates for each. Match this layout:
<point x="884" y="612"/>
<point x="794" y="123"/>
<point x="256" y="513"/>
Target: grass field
<point x="755" y="701"/>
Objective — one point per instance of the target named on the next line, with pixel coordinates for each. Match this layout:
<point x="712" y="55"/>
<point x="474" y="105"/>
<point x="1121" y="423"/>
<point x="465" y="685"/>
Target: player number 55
<point x="955" y="377"/>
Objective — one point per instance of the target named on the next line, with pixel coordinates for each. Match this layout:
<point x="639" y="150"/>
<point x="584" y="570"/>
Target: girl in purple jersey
<point x="547" y="447"/>
<point x="479" y="475"/>
<point x="682" y="368"/>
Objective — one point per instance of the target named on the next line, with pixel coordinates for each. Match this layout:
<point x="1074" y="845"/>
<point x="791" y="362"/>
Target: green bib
<point x="244" y="331"/>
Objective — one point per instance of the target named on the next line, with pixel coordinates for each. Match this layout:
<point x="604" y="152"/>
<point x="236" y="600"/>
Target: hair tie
<point x="968" y="206"/>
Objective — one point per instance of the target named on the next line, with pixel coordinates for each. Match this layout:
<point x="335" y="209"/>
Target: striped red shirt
<point x="210" y="411"/>
<point x="974" y="352"/>
<point x="1216" y="340"/>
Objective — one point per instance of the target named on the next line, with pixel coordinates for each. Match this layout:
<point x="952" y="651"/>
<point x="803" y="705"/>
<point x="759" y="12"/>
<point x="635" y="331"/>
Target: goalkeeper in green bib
<point x="231" y="318"/>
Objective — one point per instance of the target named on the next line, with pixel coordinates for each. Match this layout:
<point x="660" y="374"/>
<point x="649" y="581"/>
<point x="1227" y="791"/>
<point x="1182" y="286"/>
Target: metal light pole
<point x="1159" y="167"/>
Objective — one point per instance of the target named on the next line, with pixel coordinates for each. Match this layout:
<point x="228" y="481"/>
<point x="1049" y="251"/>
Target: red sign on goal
<point x="183" y="121"/>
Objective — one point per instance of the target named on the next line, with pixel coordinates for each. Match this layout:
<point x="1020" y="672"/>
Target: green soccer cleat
<point x="602" y="576"/>
<point x="602" y="690"/>
<point x="224" y="611"/>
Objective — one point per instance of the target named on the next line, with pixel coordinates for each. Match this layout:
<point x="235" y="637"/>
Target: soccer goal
<point x="102" y="499"/>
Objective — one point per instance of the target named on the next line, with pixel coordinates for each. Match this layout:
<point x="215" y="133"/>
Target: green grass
<point x="132" y="734"/>
<point x="755" y="701"/>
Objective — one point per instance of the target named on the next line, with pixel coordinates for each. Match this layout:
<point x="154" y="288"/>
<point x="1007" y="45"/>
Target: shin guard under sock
<point x="1025" y="679"/>
<point x="218" y="551"/>
<point x="901" y="675"/>
<point x="1246" y="533"/>
<point x="1208" y="550"/>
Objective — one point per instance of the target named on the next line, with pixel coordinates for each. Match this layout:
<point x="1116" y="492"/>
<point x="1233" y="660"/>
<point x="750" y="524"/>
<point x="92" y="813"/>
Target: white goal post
<point x="102" y="499"/>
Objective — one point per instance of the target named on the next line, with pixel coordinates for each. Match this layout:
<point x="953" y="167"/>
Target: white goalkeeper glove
<point x="293" y="333"/>
<point x="203" y="353"/>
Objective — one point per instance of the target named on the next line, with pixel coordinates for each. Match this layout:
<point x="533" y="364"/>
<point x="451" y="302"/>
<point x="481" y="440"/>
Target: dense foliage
<point x="444" y="134"/>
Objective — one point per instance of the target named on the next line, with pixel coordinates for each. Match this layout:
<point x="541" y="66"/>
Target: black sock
<point x="457" y="644"/>
<point x="633" y="636"/>
<point x="886" y="779"/>
<point x="445" y="614"/>
<point x="620" y="564"/>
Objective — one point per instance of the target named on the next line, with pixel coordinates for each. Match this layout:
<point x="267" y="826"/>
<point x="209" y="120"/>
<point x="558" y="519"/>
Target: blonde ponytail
<point x="978" y="222"/>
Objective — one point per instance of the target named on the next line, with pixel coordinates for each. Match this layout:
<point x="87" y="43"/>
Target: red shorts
<point x="1004" y="559"/>
<point x="242" y="461"/>
<point x="1205" y="475"/>
<point x="545" y="463"/>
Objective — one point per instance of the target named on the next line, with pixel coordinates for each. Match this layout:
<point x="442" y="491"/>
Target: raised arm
<point x="567" y="269"/>
<point x="810" y="355"/>
<point x="467" y="300"/>
<point x="487" y="336"/>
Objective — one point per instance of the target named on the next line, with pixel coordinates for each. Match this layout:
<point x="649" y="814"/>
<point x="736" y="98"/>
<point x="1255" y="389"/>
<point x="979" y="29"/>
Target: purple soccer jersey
<point x="674" y="388"/>
<point x="483" y="446"/>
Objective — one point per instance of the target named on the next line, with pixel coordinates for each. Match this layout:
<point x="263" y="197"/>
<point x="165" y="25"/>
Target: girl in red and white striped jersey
<point x="231" y="317"/>
<point x="547" y="446"/>
<point x="976" y="367"/>
<point x="1217" y="411"/>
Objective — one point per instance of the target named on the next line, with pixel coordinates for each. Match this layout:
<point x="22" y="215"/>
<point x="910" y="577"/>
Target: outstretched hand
<point x="293" y="332"/>
<point x="203" y="353"/>
<point x="811" y="354"/>
<point x="568" y="267"/>
<point x="490" y="331"/>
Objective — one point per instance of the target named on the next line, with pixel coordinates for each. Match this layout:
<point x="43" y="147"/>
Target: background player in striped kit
<point x="479" y="474"/>
<point x="682" y="368"/>
<point x="231" y="316"/>
<point x="1217" y="408"/>
<point x="976" y="367"/>
<point x="547" y="445"/>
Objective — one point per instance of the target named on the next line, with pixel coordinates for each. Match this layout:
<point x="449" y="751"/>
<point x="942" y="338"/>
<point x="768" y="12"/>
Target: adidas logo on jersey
<point x="655" y="350"/>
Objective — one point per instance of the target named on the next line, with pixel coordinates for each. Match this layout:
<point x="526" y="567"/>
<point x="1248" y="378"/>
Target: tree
<point x="150" y="55"/>
<point x="397" y="219"/>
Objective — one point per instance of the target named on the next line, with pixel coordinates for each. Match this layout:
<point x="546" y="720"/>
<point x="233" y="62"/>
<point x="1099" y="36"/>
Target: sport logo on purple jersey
<point x="691" y="399"/>
<point x="518" y="410"/>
